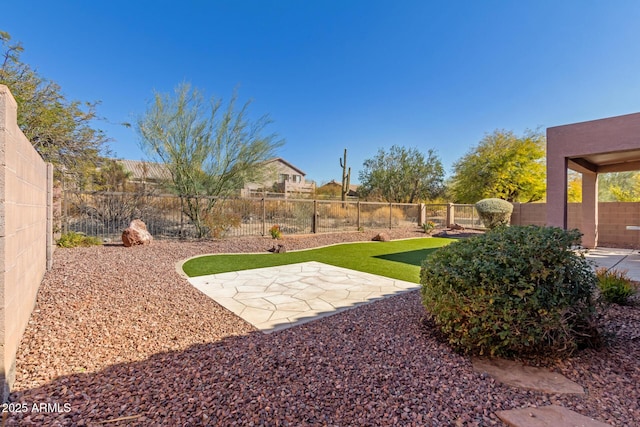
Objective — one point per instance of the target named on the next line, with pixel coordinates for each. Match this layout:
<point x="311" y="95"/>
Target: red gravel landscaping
<point x="118" y="338"/>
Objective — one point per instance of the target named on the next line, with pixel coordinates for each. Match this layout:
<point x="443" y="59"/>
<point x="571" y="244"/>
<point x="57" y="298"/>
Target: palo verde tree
<point x="402" y="175"/>
<point x="210" y="152"/>
<point x="60" y="130"/>
<point x="502" y="166"/>
<point x="612" y="187"/>
<point x="619" y="187"/>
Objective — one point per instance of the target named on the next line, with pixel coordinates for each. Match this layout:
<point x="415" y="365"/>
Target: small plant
<point x="428" y="227"/>
<point x="275" y="232"/>
<point x="73" y="240"/>
<point x="494" y="212"/>
<point x="615" y="286"/>
<point x="219" y="223"/>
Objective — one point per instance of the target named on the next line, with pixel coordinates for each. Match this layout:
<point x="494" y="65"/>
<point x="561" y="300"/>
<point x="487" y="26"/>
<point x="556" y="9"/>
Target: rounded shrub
<point x="494" y="212"/>
<point x="512" y="291"/>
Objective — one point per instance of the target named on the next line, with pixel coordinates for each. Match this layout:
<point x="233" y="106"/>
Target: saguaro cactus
<point x="346" y="176"/>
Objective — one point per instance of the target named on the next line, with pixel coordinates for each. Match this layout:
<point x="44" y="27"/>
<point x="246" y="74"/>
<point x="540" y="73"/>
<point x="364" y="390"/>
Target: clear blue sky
<point x="337" y="74"/>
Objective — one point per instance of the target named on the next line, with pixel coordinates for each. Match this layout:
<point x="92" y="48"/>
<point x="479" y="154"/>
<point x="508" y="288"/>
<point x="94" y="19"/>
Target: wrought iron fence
<point x="107" y="214"/>
<point x="437" y="213"/>
<point x="467" y="216"/>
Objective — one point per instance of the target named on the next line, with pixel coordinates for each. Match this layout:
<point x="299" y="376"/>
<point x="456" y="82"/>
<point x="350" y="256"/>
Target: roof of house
<point x="281" y="160"/>
<point x="352" y="187"/>
<point x="331" y="183"/>
<point x="141" y="170"/>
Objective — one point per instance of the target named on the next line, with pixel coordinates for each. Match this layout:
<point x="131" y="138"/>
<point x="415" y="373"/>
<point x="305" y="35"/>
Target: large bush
<point x="511" y="291"/>
<point x="494" y="212"/>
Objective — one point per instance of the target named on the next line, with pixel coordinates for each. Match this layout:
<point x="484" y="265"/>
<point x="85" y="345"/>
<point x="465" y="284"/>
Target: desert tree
<point x="62" y="131"/>
<point x="402" y="175"/>
<point x="503" y="166"/>
<point x="209" y="151"/>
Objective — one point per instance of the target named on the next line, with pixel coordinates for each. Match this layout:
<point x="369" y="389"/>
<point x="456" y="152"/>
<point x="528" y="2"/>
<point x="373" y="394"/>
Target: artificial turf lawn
<point x="398" y="259"/>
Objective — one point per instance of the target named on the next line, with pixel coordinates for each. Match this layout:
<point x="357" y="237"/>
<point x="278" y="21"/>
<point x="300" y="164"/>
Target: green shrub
<point x="512" y="291"/>
<point x="615" y="286"/>
<point x="494" y="212"/>
<point x="73" y="240"/>
<point x="428" y="227"/>
<point x="218" y="222"/>
<point x="275" y="231"/>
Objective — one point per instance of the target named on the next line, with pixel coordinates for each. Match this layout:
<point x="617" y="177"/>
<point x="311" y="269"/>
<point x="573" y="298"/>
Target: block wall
<point x="613" y="220"/>
<point x="25" y="233"/>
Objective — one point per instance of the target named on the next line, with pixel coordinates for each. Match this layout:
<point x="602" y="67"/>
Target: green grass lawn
<point x="398" y="259"/>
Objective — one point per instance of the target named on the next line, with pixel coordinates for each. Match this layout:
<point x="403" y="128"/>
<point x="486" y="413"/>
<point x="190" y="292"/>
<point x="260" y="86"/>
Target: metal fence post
<point x="358" y="215"/>
<point x="264" y="217"/>
<point x="314" y="224"/>
<point x="65" y="211"/>
<point x="182" y="234"/>
<point x="390" y="215"/>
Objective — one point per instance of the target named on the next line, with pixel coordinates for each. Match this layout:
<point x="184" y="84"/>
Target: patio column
<point x="556" y="189"/>
<point x="589" y="209"/>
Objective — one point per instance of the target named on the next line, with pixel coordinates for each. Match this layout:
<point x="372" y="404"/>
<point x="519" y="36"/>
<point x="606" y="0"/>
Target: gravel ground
<point x="118" y="338"/>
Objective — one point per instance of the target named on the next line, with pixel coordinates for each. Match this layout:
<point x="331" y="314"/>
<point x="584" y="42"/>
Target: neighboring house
<point x="279" y="176"/>
<point x="334" y="189"/>
<point x="145" y="174"/>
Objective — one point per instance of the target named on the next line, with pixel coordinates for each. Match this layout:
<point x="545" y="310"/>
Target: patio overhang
<point x="619" y="161"/>
<point x="590" y="148"/>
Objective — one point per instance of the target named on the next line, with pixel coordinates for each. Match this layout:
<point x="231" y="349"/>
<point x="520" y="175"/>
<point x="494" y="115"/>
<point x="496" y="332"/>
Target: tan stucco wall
<point x="25" y="241"/>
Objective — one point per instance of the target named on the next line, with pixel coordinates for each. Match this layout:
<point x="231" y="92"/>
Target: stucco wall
<point x="25" y="232"/>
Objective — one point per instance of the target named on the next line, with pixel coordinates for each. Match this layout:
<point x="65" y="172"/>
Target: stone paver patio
<point x="276" y="298"/>
<point x="618" y="259"/>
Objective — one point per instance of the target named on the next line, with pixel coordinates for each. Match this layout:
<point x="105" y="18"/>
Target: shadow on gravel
<point x="374" y="365"/>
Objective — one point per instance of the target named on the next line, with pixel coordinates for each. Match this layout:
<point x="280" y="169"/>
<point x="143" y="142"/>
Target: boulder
<point x="136" y="234"/>
<point x="381" y="237"/>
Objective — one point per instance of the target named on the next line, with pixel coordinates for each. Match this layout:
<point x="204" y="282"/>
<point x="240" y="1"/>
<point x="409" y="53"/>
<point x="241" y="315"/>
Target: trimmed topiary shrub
<point x="512" y="291"/>
<point x="494" y="212"/>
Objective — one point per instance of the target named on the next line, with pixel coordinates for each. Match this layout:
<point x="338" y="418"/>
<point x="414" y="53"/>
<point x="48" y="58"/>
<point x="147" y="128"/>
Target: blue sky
<point x="361" y="75"/>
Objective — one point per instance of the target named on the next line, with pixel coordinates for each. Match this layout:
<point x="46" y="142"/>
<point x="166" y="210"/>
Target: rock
<point x="515" y="374"/>
<point x="456" y="227"/>
<point x="381" y="237"/>
<point x="552" y="415"/>
<point x="136" y="234"/>
<point x="280" y="249"/>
